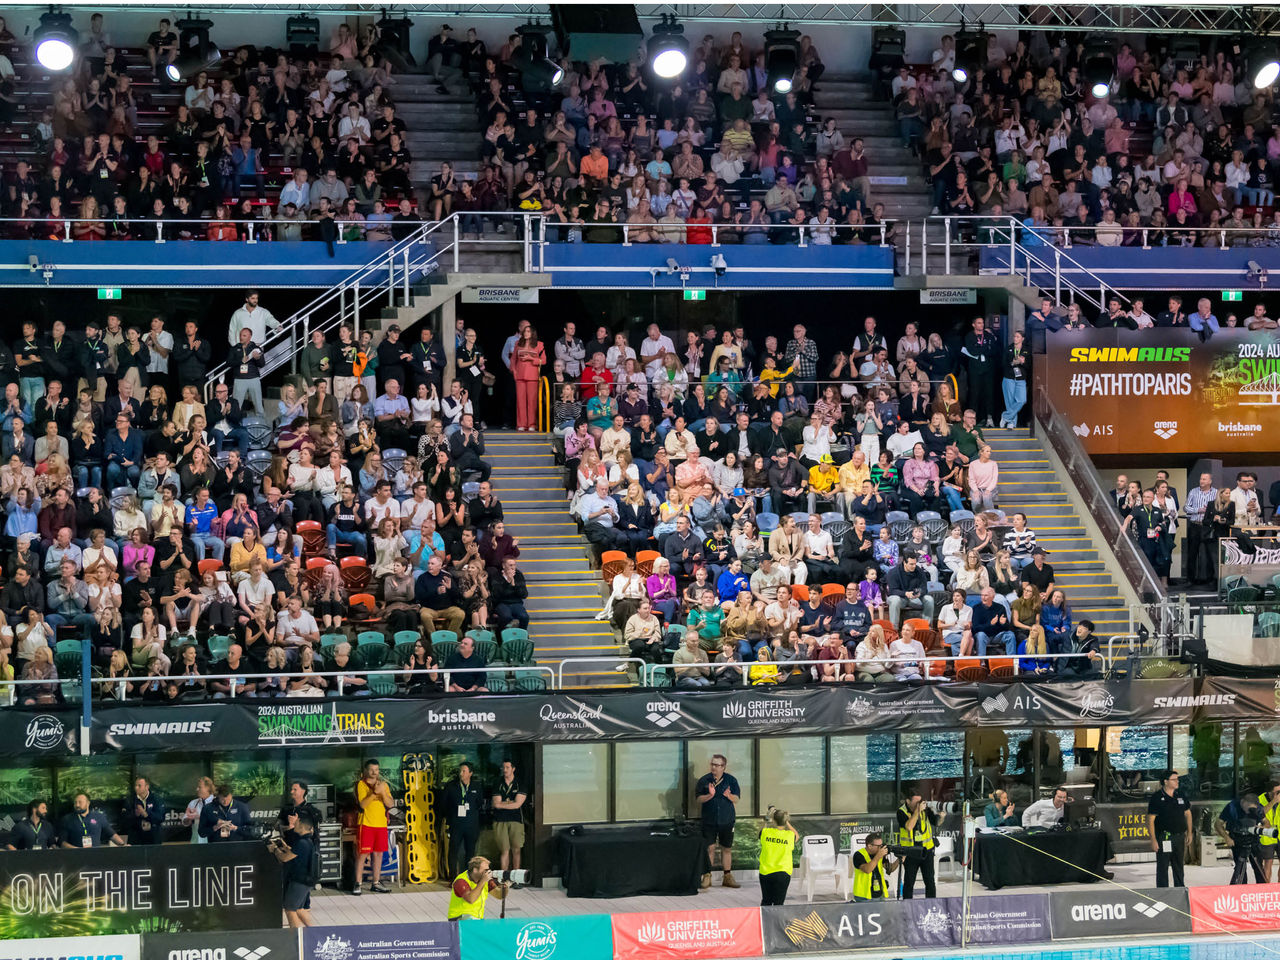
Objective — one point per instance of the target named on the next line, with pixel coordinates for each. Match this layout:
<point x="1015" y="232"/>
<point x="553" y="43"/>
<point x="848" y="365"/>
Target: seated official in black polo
<point x="870" y="880"/>
<point x="1169" y="825"/>
<point x="34" y="831"/>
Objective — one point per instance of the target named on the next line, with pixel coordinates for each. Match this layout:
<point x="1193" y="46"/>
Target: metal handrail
<point x="619" y="665"/>
<point x="555" y="230"/>
<point x="1056" y="432"/>
<point x="386" y="261"/>
<point x="1008" y="230"/>
<point x="785" y="665"/>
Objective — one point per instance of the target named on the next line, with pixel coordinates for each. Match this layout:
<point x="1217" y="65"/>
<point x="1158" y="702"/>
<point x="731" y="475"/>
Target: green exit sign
<point x="1229" y="296"/>
<point x="109" y="293"/>
<point x="695" y="294"/>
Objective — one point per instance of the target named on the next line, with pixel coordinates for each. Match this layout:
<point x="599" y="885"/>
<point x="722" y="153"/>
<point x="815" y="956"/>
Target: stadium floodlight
<point x="1263" y="63"/>
<point x="195" y="51"/>
<point x="971" y="53"/>
<point x="668" y="48"/>
<point x="55" y="41"/>
<point x="538" y="72"/>
<point x="1099" y="67"/>
<point x="781" y="57"/>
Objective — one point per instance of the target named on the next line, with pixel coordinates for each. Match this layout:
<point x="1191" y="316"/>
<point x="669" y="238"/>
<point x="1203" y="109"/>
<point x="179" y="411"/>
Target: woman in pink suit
<point x="526" y="366"/>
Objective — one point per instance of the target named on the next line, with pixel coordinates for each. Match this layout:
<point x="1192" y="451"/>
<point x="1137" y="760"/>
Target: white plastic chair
<point x="818" y="859"/>
<point x="946" y="850"/>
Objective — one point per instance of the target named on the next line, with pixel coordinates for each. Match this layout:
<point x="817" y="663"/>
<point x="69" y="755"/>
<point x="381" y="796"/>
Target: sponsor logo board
<point x="1112" y="911"/>
<point x="691" y="934"/>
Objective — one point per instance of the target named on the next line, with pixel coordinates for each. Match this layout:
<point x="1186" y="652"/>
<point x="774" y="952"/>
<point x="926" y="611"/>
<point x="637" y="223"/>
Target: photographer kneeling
<point x="777" y="842"/>
<point x="1240" y="824"/>
<point x="870" y="880"/>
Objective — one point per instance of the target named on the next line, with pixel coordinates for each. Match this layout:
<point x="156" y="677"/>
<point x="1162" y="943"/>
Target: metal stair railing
<point x="1044" y="256"/>
<point x="380" y="282"/>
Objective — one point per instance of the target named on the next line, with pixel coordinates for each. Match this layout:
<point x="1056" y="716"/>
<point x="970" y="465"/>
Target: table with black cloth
<point x="632" y="862"/>
<point x="1022" y="859"/>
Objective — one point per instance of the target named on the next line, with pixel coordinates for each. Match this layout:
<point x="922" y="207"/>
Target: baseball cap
<point x="826" y="458"/>
<point x="739" y="491"/>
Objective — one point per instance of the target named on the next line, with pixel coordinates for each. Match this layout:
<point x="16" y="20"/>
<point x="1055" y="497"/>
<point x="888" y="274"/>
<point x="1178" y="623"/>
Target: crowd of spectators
<point x="613" y="144"/>
<point x="116" y="147"/>
<point x="1177" y="144"/>
<point x="766" y="505"/>
<point x="183" y="538"/>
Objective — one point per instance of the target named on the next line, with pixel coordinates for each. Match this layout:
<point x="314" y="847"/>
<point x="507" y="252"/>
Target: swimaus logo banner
<point x="125" y="946"/>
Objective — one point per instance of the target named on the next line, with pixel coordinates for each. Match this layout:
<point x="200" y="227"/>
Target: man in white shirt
<point x="382" y="506"/>
<point x="1138" y="314"/>
<point x="653" y="349"/>
<point x="1046" y="813"/>
<point x="252" y="317"/>
<point x="417" y="508"/>
<point x="354" y="125"/>
<point x="908" y="655"/>
<point x="337" y="75"/>
<point x="944" y="57"/>
<point x="296" y="627"/>
<point x="297" y="191"/>
<point x="159" y="343"/>
<point x="903" y="82"/>
<point x="254" y="591"/>
<point x="1245" y="497"/>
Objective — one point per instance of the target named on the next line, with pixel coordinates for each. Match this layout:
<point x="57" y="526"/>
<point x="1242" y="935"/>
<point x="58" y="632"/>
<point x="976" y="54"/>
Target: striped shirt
<point x="1020" y="544"/>
<point x="1198" y="501"/>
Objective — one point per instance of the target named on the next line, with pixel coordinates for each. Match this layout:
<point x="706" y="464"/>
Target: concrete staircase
<point x="1029" y="485"/>
<point x="848" y="99"/>
<point x="565" y="591"/>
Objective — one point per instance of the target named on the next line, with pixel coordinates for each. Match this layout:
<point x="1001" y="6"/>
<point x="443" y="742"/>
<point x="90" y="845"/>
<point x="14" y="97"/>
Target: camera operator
<point x="34" y="831"/>
<point x="916" y="826"/>
<point x="143" y="815"/>
<point x="86" y="827"/>
<point x="226" y="819"/>
<point x="301" y="866"/>
<point x="1236" y="826"/>
<point x="470" y="890"/>
<point x="870" y="880"/>
<point x="463" y="800"/>
<point x="1169" y="824"/>
<point x="777" y="842"/>
<point x="297" y="806"/>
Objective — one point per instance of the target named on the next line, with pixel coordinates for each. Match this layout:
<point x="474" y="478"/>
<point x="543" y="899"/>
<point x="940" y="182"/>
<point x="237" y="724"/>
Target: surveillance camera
<point x="1255" y="270"/>
<point x="33" y="262"/>
<point x="718" y="265"/>
<point x="672" y="266"/>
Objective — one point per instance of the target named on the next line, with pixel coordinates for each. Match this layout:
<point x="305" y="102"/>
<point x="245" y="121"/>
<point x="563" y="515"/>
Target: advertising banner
<point x="1135" y="392"/>
<point x="687" y="934"/>
<point x="39" y="735"/>
<point x="1235" y="908"/>
<point x="833" y="927"/>
<point x="222" y="886"/>
<point x="1113" y="912"/>
<point x="1257" y="566"/>
<point x="1230" y="698"/>
<point x="639" y="715"/>
<point x="123" y="946"/>
<point x="587" y="937"/>
<point x="1126" y="823"/>
<point x="381" y="941"/>
<point x="277" y="944"/>
<point x="1016" y="918"/>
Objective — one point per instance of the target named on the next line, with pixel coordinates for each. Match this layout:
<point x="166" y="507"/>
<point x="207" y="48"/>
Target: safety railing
<point x="1057" y="434"/>
<point x="804" y="234"/>
<point x="1041" y="256"/>
<point x="165" y="229"/>
<point x="617" y="664"/>
<point x="921" y="666"/>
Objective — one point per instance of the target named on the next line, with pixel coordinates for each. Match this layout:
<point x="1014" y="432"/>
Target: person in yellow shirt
<point x="778" y="839"/>
<point x="470" y="890"/>
<point x="772" y="376"/>
<point x="823" y="477"/>
<point x="852" y="474"/>
<point x="373" y="799"/>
